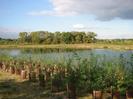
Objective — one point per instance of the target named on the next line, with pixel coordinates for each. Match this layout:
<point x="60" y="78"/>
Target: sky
<point x="109" y="19"/>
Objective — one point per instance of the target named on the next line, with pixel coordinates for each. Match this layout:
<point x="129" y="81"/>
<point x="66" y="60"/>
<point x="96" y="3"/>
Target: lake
<point x="59" y="55"/>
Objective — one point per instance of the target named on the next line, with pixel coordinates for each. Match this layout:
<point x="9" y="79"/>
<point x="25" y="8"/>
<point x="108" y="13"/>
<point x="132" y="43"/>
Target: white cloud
<point x="88" y="28"/>
<point x="102" y="9"/>
<point x="79" y="26"/>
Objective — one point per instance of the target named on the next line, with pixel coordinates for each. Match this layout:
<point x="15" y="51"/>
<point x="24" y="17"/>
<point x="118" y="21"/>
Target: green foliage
<point x="67" y="37"/>
<point x="23" y="37"/>
<point x="35" y="37"/>
<point x="8" y="41"/>
<point x="93" y="73"/>
<point x="115" y="41"/>
<point x="128" y="77"/>
<point x="45" y="37"/>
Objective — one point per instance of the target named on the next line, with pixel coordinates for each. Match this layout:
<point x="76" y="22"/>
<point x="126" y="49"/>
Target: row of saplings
<point x="75" y="81"/>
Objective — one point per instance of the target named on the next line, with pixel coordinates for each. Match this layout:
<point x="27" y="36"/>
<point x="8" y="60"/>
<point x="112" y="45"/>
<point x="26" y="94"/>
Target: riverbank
<point x="75" y="46"/>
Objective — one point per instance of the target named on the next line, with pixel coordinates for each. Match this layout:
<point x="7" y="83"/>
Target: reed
<point x="75" y="76"/>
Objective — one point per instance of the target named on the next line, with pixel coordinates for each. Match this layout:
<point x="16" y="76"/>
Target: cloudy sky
<point x="108" y="18"/>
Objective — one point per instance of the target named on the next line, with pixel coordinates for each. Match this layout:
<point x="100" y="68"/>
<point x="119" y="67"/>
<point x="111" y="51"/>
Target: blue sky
<point x="113" y="19"/>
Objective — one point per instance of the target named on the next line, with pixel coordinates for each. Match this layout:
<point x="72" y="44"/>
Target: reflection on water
<point x="57" y="55"/>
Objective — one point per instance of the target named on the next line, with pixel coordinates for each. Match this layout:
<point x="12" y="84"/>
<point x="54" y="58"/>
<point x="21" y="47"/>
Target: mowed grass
<point x="75" y="46"/>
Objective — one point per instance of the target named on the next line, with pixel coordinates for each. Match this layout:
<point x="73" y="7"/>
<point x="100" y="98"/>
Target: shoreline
<point x="73" y="46"/>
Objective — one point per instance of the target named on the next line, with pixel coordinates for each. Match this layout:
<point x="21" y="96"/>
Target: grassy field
<point x="74" y="46"/>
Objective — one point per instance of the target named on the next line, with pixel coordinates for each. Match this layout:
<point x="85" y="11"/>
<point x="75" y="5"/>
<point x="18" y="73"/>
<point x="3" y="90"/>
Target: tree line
<point x="45" y="37"/>
<point x="115" y="41"/>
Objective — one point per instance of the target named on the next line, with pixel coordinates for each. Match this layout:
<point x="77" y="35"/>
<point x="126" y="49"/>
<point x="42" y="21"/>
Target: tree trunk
<point x="17" y="71"/>
<point x="32" y="76"/>
<point x="116" y="95"/>
<point x="1" y="65"/>
<point x="97" y="94"/>
<point x="12" y="70"/>
<point x="23" y="74"/>
<point x="71" y="91"/>
<point x="129" y="94"/>
<point x="41" y="80"/>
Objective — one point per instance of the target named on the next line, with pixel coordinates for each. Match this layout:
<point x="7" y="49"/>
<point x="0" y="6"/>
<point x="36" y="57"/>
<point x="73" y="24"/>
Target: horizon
<point x="17" y="36"/>
<point x="110" y="20"/>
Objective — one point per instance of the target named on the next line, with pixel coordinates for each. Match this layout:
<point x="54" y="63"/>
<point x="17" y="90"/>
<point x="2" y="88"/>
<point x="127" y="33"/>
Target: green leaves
<point x="45" y="37"/>
<point x="91" y="73"/>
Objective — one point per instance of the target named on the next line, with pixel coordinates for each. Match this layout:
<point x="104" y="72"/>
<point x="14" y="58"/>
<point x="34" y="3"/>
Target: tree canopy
<point x="74" y="37"/>
<point x="45" y="37"/>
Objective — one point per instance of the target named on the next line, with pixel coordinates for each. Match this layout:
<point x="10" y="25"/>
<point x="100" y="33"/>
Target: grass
<point x="75" y="46"/>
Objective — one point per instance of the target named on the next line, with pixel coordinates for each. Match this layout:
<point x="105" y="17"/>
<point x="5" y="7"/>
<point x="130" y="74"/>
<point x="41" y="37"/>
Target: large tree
<point x="35" y="37"/>
<point x="67" y="37"/>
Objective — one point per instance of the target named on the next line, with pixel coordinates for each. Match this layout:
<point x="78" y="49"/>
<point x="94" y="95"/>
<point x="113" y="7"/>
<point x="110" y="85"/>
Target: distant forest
<point x="45" y="37"/>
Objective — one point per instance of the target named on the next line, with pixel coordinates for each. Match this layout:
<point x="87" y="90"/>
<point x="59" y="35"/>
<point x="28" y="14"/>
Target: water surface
<point x="58" y="55"/>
